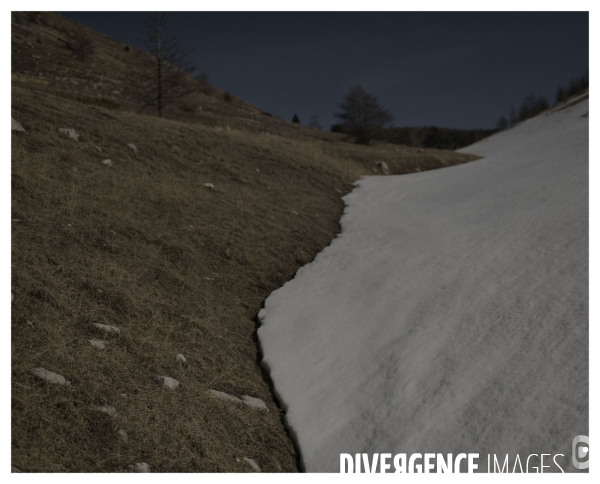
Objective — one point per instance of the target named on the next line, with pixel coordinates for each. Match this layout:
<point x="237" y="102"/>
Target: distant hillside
<point x="434" y="137"/>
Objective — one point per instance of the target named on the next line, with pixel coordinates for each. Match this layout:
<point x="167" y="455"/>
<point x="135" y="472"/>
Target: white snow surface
<point x="451" y="313"/>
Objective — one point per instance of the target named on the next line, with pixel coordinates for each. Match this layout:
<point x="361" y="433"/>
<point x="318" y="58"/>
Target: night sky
<point x="448" y="69"/>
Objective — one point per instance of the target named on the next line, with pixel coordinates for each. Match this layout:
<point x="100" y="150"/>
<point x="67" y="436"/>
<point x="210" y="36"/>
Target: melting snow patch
<point x="70" y="132"/>
<point x="107" y="328"/>
<point x="50" y="376"/>
<point x="139" y="467"/>
<point x="252" y="463"/>
<point x="167" y="381"/>
<point x="97" y="344"/>
<point x="254" y="402"/>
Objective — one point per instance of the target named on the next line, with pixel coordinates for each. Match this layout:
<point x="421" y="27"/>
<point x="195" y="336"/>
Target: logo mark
<point x="580" y="452"/>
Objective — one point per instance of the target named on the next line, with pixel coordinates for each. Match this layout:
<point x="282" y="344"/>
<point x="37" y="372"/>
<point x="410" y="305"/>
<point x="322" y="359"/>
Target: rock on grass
<point x="50" y="376"/>
<point x="15" y="126"/>
<point x="251" y="462"/>
<point x="254" y="402"/>
<point x="139" y="467"/>
<point x="167" y="381"/>
<point x="70" y="132"/>
<point x="107" y="328"/>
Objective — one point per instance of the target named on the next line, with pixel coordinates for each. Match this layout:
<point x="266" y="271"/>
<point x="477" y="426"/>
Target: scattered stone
<point x="382" y="165"/>
<point x="107" y="409"/>
<point x="15" y="126"/>
<point x="124" y="395"/>
<point x="338" y="190"/>
<point x="50" y="376"/>
<point x="107" y="328"/>
<point x="107" y="162"/>
<point x="167" y="381"/>
<point x="70" y="132"/>
<point x="210" y="186"/>
<point x="252" y="463"/>
<point x="98" y="148"/>
<point x="134" y="148"/>
<point x="116" y="92"/>
<point x="139" y="467"/>
<point x="97" y="344"/>
<point x="224" y="396"/>
<point x="179" y="357"/>
<point x="124" y="435"/>
<point x="30" y="323"/>
<point x="295" y="213"/>
<point x="257" y="170"/>
<point x="254" y="402"/>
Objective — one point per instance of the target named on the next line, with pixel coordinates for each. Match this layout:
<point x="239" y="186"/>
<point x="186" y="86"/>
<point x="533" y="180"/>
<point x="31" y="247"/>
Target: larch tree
<point x="361" y="115"/>
<point x="168" y="66"/>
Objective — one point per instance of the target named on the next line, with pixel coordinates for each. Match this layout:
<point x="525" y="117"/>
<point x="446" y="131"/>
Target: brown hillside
<point x="144" y="246"/>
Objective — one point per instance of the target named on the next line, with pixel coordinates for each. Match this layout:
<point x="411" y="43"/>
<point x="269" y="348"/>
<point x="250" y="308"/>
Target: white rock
<point x="139" y="467"/>
<point x="209" y="185"/>
<point x="179" y="357"/>
<point x="167" y="381"/>
<point x="252" y="463"/>
<point x="382" y="165"/>
<point x="70" y="132"/>
<point x="97" y="344"/>
<point x="225" y="396"/>
<point x="254" y="402"/>
<point x="107" y="409"/>
<point x="107" y="328"/>
<point x="134" y="148"/>
<point x="124" y="435"/>
<point x="107" y="162"/>
<point x="50" y="376"/>
<point x="15" y="126"/>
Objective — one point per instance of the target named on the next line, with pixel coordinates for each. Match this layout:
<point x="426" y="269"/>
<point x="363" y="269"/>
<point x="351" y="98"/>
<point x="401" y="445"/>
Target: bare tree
<point x="168" y="69"/>
<point x="362" y="115"/>
<point x="78" y="43"/>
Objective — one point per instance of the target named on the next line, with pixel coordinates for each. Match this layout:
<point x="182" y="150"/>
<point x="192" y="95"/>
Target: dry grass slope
<point x="179" y="268"/>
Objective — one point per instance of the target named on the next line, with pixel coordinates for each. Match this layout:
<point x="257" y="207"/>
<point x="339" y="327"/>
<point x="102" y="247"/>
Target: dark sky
<point x="449" y="69"/>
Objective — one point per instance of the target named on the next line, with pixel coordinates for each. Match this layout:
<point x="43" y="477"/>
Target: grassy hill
<point x="143" y="245"/>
